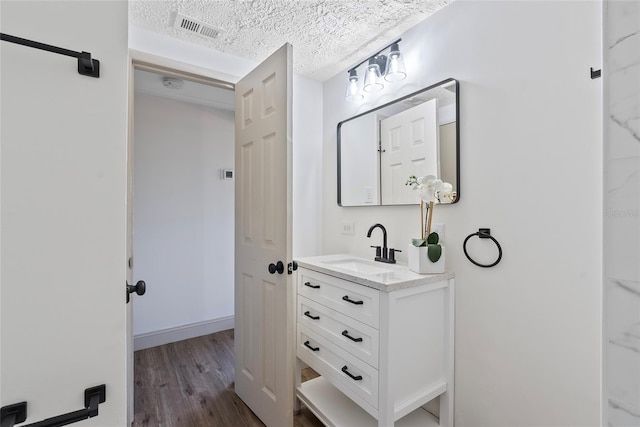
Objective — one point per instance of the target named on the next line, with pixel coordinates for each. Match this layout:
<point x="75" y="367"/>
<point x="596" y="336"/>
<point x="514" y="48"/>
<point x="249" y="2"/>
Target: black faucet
<point x="386" y="255"/>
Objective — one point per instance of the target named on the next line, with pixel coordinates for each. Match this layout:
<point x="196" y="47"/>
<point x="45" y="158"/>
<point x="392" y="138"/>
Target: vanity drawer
<point x="357" y="301"/>
<point x="351" y="375"/>
<point x="355" y="337"/>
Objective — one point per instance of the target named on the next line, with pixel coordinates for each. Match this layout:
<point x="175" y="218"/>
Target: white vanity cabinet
<point x="381" y="337"/>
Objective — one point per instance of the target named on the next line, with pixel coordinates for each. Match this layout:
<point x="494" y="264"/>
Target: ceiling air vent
<point x="191" y="25"/>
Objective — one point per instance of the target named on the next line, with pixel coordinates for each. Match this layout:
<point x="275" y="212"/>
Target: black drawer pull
<point x="346" y="298"/>
<point x="306" y="344"/>
<point x="311" y="286"/>
<point x="353" y="377"/>
<point x="345" y="333"/>
<point x="306" y="313"/>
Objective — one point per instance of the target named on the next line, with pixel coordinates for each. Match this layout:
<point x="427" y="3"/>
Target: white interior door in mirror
<point x="409" y="143"/>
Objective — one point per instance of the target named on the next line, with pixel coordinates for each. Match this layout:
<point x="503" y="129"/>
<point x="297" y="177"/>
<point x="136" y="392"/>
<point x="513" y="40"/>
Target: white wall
<point x="63" y="213"/>
<point x="621" y="74"/>
<point x="307" y="166"/>
<point x="527" y="330"/>
<point x="183" y="213"/>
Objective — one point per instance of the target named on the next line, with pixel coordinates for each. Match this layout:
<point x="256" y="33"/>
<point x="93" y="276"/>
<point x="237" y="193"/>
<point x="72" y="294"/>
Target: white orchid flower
<point x="426" y="193"/>
<point x="430" y="186"/>
<point x="426" y="180"/>
<point x="445" y="194"/>
<point x="421" y="185"/>
<point x="432" y="189"/>
<point x="437" y="186"/>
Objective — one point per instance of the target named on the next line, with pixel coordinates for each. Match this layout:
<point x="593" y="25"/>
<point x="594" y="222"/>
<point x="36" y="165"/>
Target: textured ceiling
<point x="328" y="36"/>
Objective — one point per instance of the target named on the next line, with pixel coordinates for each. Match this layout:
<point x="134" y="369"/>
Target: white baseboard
<point x="179" y="333"/>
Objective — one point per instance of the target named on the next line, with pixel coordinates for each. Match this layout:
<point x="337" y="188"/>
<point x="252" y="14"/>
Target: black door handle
<point x="278" y="266"/>
<point x="140" y="288"/>
<point x="308" y="284"/>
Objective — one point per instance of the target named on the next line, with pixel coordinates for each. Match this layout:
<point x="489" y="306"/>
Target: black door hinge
<point x="291" y="267"/>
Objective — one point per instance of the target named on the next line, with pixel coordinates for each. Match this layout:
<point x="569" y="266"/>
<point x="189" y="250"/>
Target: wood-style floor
<point x="190" y="384"/>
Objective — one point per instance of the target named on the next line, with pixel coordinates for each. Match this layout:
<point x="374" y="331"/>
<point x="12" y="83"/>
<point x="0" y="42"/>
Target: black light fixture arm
<point x="374" y="55"/>
<point x="86" y="65"/>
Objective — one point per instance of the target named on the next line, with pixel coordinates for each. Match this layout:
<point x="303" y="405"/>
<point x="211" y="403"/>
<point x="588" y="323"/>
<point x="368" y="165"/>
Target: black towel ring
<point x="483" y="233"/>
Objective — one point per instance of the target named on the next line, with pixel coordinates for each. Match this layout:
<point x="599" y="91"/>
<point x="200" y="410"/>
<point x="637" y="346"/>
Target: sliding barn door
<point x="62" y="210"/>
<point x="263" y="297"/>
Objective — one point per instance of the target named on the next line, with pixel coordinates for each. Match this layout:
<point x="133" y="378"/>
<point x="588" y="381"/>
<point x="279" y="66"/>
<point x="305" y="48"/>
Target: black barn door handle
<point x="17" y="413"/>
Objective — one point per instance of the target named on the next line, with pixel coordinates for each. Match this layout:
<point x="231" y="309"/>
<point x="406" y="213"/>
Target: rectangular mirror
<point x="378" y="150"/>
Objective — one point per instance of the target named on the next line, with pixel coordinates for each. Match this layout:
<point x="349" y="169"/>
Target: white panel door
<point x="63" y="210"/>
<point x="410" y="146"/>
<point x="264" y="302"/>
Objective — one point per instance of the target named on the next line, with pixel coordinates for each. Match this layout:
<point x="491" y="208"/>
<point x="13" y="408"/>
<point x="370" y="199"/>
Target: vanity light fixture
<point x="390" y="67"/>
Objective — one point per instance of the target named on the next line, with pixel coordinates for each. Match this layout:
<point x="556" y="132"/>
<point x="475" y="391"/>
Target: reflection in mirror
<point x="414" y="135"/>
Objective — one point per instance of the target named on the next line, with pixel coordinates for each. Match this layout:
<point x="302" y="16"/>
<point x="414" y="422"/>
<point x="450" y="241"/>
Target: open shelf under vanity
<point x="330" y="406"/>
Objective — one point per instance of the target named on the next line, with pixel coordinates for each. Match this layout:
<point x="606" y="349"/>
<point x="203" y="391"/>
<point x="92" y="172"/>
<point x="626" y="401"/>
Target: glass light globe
<point x="395" y="65"/>
<point x="353" y="90"/>
<point x="373" y="78"/>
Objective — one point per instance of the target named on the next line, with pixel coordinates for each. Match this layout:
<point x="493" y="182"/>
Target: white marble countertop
<point x="378" y="275"/>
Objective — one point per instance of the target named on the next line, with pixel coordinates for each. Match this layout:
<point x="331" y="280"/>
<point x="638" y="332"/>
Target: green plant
<point x="434" y="249"/>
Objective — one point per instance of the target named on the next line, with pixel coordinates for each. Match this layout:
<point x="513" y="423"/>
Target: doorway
<point x="183" y="207"/>
<point x="179" y="120"/>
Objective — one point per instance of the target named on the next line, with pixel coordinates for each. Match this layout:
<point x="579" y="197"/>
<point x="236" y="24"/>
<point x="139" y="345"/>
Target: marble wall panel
<point x="621" y="228"/>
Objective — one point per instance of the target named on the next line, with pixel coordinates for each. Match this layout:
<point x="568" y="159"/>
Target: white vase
<point x="420" y="263"/>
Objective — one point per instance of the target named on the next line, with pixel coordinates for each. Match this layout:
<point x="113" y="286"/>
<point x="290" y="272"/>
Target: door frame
<point x="169" y="67"/>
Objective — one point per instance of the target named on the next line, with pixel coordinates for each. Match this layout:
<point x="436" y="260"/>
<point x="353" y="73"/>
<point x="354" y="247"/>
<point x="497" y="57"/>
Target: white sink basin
<point x="359" y="266"/>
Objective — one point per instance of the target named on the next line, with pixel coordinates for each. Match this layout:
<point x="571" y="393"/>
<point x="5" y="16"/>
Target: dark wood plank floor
<point x="190" y="384"/>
